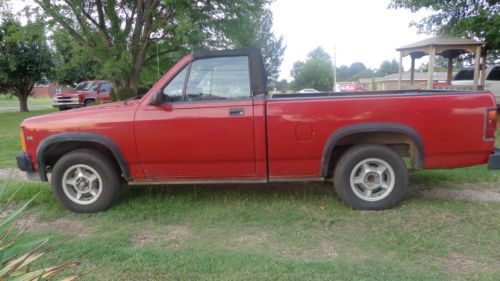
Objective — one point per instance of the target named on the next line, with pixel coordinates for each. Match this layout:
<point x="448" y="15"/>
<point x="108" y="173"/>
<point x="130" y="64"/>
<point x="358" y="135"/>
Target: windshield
<point x="465" y="74"/>
<point x="87" y="86"/>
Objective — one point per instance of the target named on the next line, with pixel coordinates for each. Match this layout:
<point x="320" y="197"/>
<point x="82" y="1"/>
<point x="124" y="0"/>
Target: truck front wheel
<point x="371" y="177"/>
<point x="85" y="181"/>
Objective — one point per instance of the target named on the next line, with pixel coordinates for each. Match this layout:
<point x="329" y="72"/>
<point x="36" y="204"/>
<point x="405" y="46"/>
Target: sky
<point x="362" y="30"/>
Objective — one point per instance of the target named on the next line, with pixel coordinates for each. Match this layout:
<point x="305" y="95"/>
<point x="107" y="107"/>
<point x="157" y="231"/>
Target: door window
<point x="219" y="79"/>
<point x="494" y="74"/>
<point x="105" y="87"/>
<point x="173" y="91"/>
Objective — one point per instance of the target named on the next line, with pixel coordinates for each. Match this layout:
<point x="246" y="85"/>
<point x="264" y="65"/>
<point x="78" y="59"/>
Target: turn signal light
<point x="491" y="123"/>
<point x="23" y="141"/>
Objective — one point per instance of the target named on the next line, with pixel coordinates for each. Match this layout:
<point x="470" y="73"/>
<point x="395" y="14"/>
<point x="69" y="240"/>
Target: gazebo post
<point x="450" y="70"/>
<point x="400" y="77"/>
<point x="412" y="70"/>
<point x="477" y="63"/>
<point x="432" y="58"/>
<point x="483" y="72"/>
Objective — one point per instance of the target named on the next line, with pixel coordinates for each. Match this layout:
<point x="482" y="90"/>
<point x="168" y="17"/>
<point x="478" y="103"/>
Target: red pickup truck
<point x="210" y="120"/>
<point x="85" y="93"/>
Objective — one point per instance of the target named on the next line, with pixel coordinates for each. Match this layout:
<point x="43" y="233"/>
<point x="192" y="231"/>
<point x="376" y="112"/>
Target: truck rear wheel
<point x="371" y="177"/>
<point x="85" y="181"/>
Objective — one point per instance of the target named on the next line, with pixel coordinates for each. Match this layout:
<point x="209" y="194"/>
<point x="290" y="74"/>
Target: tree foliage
<point x="25" y="58"/>
<point x="478" y="19"/>
<point x="388" y="67"/>
<point x="316" y="72"/>
<point x="127" y="37"/>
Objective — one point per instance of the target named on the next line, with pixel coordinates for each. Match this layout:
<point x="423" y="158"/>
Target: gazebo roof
<point x="441" y="40"/>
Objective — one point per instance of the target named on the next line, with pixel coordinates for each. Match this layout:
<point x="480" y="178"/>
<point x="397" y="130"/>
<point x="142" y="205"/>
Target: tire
<point x="89" y="102"/>
<point x="371" y="177"/>
<point x="90" y="174"/>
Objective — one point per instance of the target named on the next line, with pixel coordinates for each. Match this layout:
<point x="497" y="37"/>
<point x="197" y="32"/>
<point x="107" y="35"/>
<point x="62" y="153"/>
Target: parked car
<point x="465" y="77"/>
<point x="210" y="120"/>
<point x="349" y="87"/>
<point x="85" y="93"/>
<point x="308" y="91"/>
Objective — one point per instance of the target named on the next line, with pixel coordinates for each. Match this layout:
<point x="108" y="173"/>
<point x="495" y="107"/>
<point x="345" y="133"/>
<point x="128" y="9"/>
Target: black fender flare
<point x="80" y="137"/>
<point x="339" y="134"/>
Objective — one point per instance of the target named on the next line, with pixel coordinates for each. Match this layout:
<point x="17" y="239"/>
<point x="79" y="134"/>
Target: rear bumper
<point x="24" y="164"/>
<point x="494" y="161"/>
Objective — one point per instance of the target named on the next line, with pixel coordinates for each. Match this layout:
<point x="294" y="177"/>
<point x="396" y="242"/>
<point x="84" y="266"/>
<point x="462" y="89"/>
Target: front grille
<point x="66" y="100"/>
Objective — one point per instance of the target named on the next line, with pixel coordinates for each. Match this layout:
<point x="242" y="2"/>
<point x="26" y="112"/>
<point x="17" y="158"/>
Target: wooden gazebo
<point x="448" y="47"/>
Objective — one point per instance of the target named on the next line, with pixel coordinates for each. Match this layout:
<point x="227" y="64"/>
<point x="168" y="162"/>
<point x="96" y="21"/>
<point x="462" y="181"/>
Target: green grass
<point x="279" y="232"/>
<point x="9" y="134"/>
<point x="11" y="101"/>
<point x="266" y="232"/>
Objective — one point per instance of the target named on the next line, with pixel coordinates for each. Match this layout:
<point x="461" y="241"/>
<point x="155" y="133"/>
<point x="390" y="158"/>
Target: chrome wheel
<point x="82" y="184"/>
<point x="372" y="179"/>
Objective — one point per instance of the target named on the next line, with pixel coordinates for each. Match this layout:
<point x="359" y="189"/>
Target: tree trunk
<point x="23" y="103"/>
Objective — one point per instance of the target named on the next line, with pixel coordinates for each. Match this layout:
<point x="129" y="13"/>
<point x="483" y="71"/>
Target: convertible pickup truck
<point x="210" y="119"/>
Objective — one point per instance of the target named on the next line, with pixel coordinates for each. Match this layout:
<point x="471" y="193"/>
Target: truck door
<point x="205" y="127"/>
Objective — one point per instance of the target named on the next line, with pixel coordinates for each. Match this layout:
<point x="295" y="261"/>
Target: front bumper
<point x="24" y="164"/>
<point x="494" y="161"/>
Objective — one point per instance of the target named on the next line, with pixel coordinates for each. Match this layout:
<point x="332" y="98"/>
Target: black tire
<point x="89" y="102"/>
<point x="371" y="154"/>
<point x="109" y="182"/>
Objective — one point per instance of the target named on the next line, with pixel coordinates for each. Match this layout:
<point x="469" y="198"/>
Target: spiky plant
<point x="17" y="256"/>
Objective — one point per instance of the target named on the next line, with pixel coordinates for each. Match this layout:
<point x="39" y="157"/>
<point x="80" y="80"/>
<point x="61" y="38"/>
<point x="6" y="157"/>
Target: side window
<point x="173" y="91"/>
<point x="105" y="87"/>
<point x="494" y="74"/>
<point x="465" y="74"/>
<point x="219" y="79"/>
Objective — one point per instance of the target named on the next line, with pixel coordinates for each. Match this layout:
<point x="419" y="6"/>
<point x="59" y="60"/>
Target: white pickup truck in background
<point x="465" y="77"/>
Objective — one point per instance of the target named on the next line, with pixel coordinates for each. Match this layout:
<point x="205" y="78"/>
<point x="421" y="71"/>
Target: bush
<point x="112" y="95"/>
<point x="124" y="93"/>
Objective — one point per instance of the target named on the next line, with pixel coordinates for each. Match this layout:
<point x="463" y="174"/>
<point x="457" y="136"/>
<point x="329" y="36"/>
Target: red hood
<point x="74" y="117"/>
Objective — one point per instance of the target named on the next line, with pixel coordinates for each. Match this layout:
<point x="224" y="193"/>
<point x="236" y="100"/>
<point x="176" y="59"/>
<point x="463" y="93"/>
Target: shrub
<point x="17" y="256"/>
<point x="112" y="95"/>
<point x="124" y="93"/>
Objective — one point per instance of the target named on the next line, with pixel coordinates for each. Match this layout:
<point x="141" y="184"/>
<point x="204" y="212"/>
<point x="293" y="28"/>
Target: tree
<point x="478" y="19"/>
<point x="73" y="63"/>
<point x="25" y="58"/>
<point x="119" y="33"/>
<point x="388" y="67"/>
<point x="316" y="72"/>
<point x="256" y="31"/>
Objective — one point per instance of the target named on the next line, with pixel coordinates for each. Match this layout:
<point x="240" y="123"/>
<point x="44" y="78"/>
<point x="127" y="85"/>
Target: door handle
<point x="236" y="112"/>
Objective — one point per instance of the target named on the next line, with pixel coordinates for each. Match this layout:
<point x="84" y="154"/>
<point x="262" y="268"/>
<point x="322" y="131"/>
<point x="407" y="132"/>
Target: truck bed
<point x="450" y="125"/>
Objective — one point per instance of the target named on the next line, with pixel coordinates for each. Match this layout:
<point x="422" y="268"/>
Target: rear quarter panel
<point x="451" y="127"/>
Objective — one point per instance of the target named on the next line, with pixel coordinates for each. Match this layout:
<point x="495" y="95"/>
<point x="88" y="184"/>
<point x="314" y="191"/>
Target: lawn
<point x="11" y="101"/>
<point x="279" y="232"/>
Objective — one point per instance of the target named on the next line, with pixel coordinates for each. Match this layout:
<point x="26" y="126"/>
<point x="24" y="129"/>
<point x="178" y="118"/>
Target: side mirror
<point x="157" y="98"/>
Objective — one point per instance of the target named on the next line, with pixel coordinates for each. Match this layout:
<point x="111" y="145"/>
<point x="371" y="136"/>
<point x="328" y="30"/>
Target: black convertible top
<point x="258" y="75"/>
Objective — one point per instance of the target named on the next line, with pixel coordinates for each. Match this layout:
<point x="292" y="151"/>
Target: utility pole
<point x="334" y="67"/>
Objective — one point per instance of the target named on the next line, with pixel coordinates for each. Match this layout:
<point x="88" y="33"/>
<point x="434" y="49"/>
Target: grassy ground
<point x="9" y="134"/>
<point x="279" y="232"/>
<point x="9" y="101"/>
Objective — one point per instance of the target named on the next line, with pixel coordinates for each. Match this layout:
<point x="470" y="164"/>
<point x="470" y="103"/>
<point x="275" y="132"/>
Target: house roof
<point x="406" y="76"/>
<point x="441" y="40"/>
